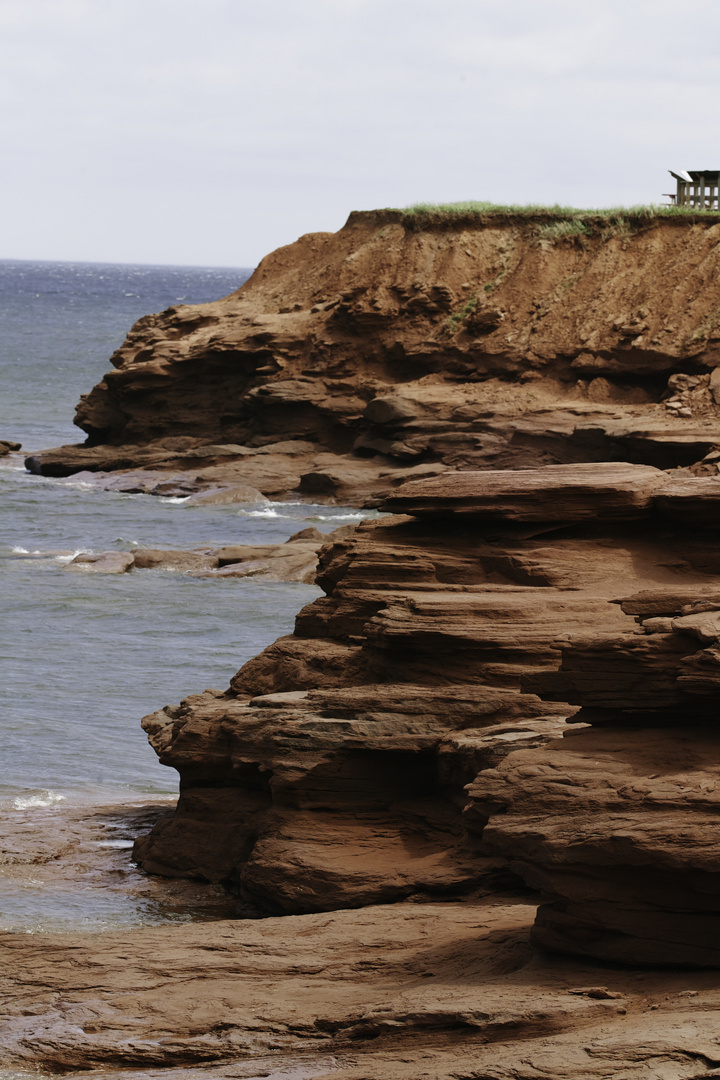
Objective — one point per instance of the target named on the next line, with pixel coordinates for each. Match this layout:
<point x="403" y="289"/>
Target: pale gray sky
<point x="211" y="131"/>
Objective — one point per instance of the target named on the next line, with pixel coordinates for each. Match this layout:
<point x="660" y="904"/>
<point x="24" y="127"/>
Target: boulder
<point x="183" y="561"/>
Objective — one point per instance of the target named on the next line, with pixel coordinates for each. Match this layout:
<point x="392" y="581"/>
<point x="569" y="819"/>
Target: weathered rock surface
<point x="406" y="992"/>
<point x="619" y="829"/>
<point x="567" y="493"/>
<point x="451" y="649"/>
<point x="407" y="342"/>
<point x="104" y="562"/>
<point x="619" y="825"/>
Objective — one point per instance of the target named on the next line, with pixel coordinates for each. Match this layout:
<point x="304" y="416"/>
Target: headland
<point x="477" y="788"/>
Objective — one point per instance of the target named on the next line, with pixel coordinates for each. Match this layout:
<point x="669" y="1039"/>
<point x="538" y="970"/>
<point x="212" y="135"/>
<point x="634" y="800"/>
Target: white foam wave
<point x="73" y="555"/>
<point x="56" y="556"/>
<point x="69" y="482"/>
<point x="174" y="500"/>
<point x="44" y="798"/>
<point x="299" y="512"/>
<point x="340" y="517"/>
<point x="268" y="513"/>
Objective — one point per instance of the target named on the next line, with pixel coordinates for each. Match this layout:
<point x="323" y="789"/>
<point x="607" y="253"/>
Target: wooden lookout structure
<point x="697" y="188"/>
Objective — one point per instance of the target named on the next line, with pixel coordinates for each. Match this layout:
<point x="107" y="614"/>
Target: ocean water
<point x="60" y="323"/>
<point x="84" y="656"/>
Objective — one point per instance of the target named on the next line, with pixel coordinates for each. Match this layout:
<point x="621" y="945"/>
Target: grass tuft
<point x="563" y="230"/>
<point x="454" y="321"/>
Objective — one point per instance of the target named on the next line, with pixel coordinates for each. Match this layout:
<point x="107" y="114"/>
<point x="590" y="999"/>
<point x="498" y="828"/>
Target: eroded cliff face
<point x="453" y="647"/>
<point x="333" y="772"/>
<point x="401" y="342"/>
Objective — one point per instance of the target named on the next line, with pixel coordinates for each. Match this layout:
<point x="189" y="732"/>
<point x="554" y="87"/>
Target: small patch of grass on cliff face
<point x="563" y="230"/>
<point x="457" y="317"/>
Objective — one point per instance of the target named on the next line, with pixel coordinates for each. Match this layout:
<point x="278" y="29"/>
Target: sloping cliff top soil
<point x="422" y="343"/>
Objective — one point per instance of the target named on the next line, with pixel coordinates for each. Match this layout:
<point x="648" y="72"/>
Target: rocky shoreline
<point x="477" y="788"/>
<point x="66" y="864"/>
<point x="293" y="560"/>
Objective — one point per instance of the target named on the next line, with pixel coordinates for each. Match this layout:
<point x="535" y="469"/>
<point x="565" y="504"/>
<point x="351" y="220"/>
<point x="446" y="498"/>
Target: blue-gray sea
<point x="84" y="657"/>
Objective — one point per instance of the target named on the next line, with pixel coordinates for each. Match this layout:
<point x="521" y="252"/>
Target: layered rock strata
<point x="618" y="825"/>
<point x="423" y="343"/>
<point x="451" y="647"/>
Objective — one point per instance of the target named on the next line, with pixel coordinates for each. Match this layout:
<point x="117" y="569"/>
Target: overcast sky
<point x="209" y="132"/>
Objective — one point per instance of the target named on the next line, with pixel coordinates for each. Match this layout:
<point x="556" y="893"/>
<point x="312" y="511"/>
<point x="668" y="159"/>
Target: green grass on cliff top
<point x="567" y="213"/>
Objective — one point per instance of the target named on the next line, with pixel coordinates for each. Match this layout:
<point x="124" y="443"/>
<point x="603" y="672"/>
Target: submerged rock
<point x="104" y="562"/>
<point x="186" y="562"/>
<point x="294" y="560"/>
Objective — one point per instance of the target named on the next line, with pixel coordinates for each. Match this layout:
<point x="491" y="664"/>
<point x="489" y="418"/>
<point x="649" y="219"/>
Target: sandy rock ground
<point x="401" y="991"/>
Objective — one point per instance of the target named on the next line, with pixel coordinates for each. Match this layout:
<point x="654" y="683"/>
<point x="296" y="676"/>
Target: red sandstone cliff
<point x="407" y="346"/>
<point x="506" y="697"/>
<point x="450" y="649"/>
<point x="402" y="342"/>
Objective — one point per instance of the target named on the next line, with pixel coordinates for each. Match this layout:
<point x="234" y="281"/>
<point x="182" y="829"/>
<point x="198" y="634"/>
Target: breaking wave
<point x="41" y="799"/>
